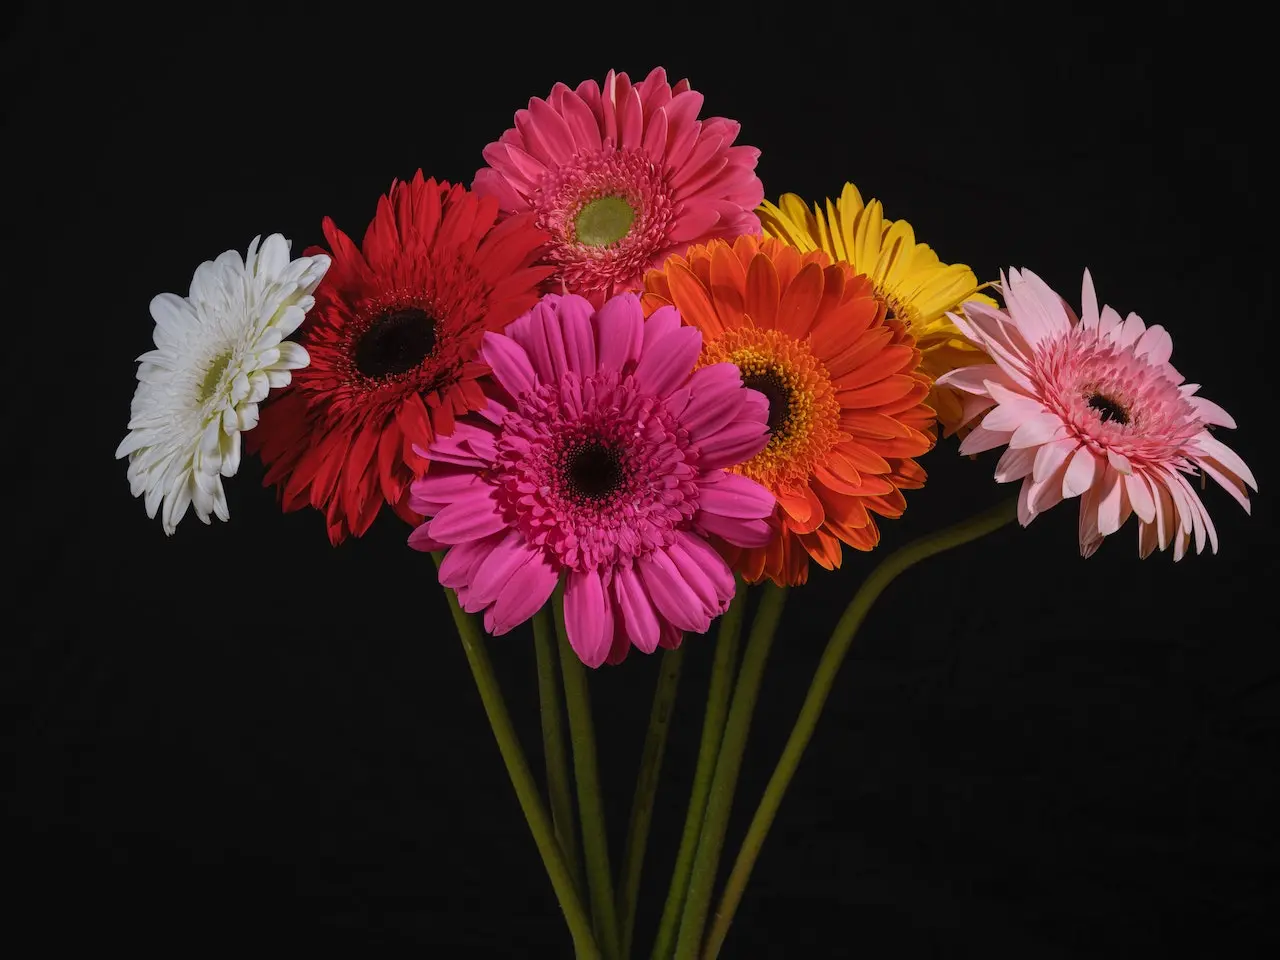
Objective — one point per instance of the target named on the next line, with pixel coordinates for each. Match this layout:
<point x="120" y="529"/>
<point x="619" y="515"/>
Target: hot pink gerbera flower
<point x="1091" y="407"/>
<point x="622" y="178"/>
<point x="602" y="456"/>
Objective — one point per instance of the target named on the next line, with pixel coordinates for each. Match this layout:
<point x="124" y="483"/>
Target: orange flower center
<point x="803" y="412"/>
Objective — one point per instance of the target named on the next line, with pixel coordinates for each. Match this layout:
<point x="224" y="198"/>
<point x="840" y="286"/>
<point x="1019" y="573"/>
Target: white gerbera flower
<point x="218" y="352"/>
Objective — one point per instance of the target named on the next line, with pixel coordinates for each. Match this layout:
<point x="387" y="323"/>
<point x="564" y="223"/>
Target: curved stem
<point x="722" y="669"/>
<point x="522" y="778"/>
<point x="559" y="783"/>
<point x="655" y="745"/>
<point x="728" y="764"/>
<point x="595" y="842"/>
<point x="884" y="574"/>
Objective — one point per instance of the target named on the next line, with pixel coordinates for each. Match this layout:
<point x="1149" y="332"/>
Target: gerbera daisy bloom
<point x="602" y="458"/>
<point x="622" y="177"/>
<point x="846" y="400"/>
<point x="1091" y="407"/>
<point x="917" y="287"/>
<point x="392" y="340"/>
<point x="219" y="350"/>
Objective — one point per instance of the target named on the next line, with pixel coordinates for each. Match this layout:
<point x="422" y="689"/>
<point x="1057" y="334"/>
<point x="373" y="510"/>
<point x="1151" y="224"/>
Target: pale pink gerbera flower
<point x="1091" y="407"/>
<point x="622" y="178"/>
<point x="601" y="457"/>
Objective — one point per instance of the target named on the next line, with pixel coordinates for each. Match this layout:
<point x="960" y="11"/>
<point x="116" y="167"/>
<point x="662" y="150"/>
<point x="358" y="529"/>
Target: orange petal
<point x="842" y="338"/>
<point x="911" y="398"/>
<point x="690" y="298"/>
<point x="728" y="283"/>
<point x="762" y="292"/>
<point x="833" y="481"/>
<point x="879" y="394"/>
<point x="823" y="548"/>
<point x="862" y="459"/>
<point x="650" y="302"/>
<point x="800" y="300"/>
<point x="877" y="366"/>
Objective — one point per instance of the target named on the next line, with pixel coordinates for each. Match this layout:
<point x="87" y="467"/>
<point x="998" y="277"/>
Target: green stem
<point x="884" y="574"/>
<point x="655" y="745"/>
<point x="595" y="843"/>
<point x="728" y="764"/>
<point x="535" y="813"/>
<point x="559" y="784"/>
<point x="722" y="670"/>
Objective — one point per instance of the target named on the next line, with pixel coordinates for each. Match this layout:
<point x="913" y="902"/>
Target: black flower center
<point x="396" y="342"/>
<point x="1109" y="408"/>
<point x="593" y="470"/>
<point x="776" y="392"/>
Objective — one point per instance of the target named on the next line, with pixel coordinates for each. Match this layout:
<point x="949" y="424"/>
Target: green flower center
<point x="214" y="375"/>
<point x="603" y="221"/>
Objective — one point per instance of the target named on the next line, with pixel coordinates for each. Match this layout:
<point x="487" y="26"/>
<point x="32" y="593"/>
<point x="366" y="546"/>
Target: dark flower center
<point x="396" y="342"/>
<point x="593" y="470"/>
<point x="1109" y="408"/>
<point x="776" y="392"/>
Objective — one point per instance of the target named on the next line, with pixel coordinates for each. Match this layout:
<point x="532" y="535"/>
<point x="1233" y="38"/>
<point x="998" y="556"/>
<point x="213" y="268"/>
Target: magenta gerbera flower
<point x="602" y="457"/>
<point x="622" y="178"/>
<point x="1091" y="407"/>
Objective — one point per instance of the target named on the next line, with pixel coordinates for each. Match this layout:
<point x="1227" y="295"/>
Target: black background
<point x="239" y="737"/>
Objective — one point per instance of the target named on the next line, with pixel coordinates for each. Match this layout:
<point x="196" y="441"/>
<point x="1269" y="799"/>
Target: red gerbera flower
<point x="393" y="339"/>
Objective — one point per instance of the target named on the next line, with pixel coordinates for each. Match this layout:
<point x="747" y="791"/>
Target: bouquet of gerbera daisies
<point x="610" y="388"/>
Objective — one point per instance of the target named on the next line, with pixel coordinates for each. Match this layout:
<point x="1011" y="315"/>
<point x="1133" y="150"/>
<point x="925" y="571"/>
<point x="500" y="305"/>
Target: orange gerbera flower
<point x="846" y="397"/>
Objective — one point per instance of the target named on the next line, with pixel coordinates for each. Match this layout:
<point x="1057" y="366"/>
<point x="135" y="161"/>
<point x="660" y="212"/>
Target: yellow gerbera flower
<point x="916" y="286"/>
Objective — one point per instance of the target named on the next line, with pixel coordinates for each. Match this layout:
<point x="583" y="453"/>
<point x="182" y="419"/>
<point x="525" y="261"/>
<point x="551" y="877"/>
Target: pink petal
<point x="1156" y="345"/>
<point x="1015" y="464"/>
<point x="461" y="561"/>
<point x="468" y="518"/>
<point x="736" y="443"/>
<point x="1131" y="332"/>
<point x="1036" y="309"/>
<point x="579" y="338"/>
<point x="1119" y="462"/>
<point x="666" y="364"/>
<point x="1088" y="302"/>
<point x="1038" y="429"/>
<point x="442" y="484"/>
<point x="733" y="495"/>
<point x="421" y="540"/>
<point x="1082" y="472"/>
<point x="638" y="617"/>
<point x="1008" y="417"/>
<point x="470" y="445"/>
<point x="1210" y="413"/>
<point x="587" y="619"/>
<point x="1113" y="504"/>
<point x="529" y="587"/>
<point x="1226" y="458"/>
<point x="620" y="330"/>
<point x="538" y="333"/>
<point x="740" y="533"/>
<point x="661" y="322"/>
<point x="696" y="558"/>
<point x="973" y="379"/>
<point x="981" y="439"/>
<point x="492" y="574"/>
<point x="510" y="364"/>
<point x="1144" y="504"/>
<point x="672" y="597"/>
<point x="1051" y="456"/>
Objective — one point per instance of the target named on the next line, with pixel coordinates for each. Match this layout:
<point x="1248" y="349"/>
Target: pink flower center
<point x="1113" y="399"/>
<point x="607" y="213"/>
<point x="595" y="471"/>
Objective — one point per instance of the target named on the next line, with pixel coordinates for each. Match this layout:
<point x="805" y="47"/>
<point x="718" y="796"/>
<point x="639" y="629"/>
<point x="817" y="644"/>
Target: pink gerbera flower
<point x="622" y="178"/>
<point x="602" y="456"/>
<point x="1091" y="407"/>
